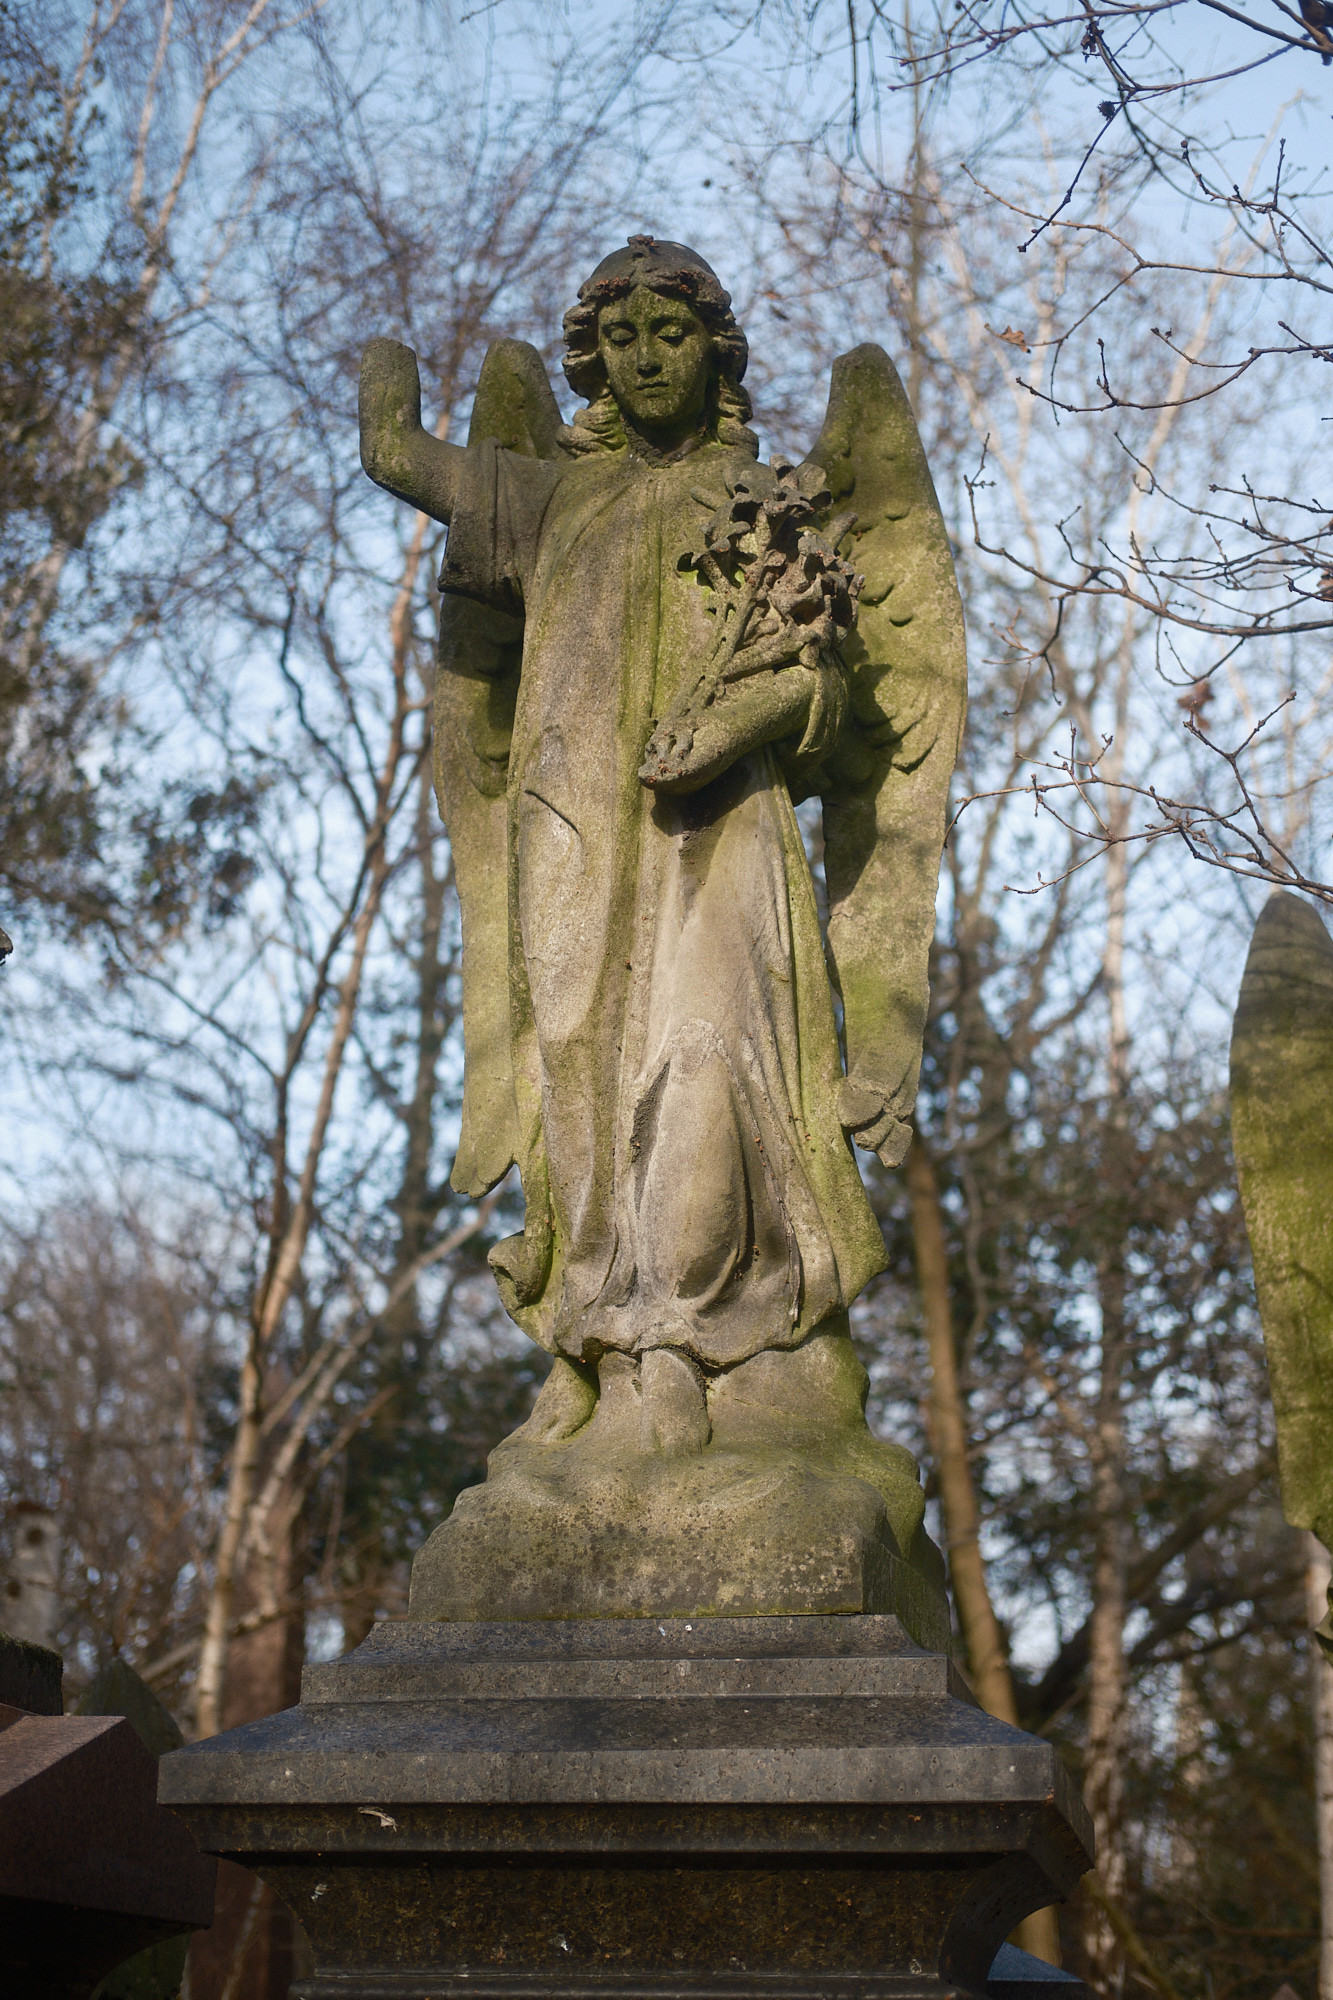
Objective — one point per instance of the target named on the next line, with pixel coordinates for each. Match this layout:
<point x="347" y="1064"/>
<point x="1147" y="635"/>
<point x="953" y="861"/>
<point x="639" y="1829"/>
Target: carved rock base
<point x="755" y="1492"/>
<point x="650" y="1809"/>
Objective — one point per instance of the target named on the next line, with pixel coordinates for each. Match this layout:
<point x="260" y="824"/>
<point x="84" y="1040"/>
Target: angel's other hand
<point x="684" y="756"/>
<point x="668" y="760"/>
<point x="865" y="1111"/>
<point x="685" y="752"/>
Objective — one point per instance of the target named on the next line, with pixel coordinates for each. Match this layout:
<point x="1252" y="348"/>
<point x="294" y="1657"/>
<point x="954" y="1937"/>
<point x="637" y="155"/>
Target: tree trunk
<point x="1107" y="1680"/>
<point x="1103" y="1783"/>
<point x="987" y="1659"/>
<point x="247" y="1953"/>
<point x="289" y="1238"/>
<point x="1190" y="1754"/>
<point x="417" y="1203"/>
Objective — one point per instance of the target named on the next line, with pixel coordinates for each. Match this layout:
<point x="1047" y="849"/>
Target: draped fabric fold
<point x="674" y="1061"/>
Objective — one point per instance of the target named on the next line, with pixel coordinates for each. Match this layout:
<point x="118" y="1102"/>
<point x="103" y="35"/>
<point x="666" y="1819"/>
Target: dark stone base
<point x="1015" y="1975"/>
<point x="795" y="1807"/>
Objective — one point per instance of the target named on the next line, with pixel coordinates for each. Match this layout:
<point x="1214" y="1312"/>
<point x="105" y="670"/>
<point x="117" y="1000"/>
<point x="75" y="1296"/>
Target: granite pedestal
<point x="641" y="1808"/>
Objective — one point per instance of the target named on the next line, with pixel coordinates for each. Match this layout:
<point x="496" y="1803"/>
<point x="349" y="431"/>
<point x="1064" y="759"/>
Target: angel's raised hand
<point x="395" y="451"/>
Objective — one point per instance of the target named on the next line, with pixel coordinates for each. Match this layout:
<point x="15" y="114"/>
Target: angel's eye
<point x="673" y="335"/>
<point x="620" y="336"/>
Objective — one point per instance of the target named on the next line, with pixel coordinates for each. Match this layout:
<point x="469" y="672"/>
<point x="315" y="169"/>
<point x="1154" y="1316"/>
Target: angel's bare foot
<point x="685" y="753"/>
<point x="673" y="1415"/>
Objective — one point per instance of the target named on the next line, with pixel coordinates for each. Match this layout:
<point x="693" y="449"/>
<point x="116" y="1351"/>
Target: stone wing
<point x="476" y="686"/>
<point x="885" y="788"/>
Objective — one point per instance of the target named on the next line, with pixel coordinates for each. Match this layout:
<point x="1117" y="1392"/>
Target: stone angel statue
<point x="652" y="649"/>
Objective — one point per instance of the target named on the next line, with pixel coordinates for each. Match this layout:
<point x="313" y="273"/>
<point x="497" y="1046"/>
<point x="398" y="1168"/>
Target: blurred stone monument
<point x="29" y="1610"/>
<point x="93" y="1871"/>
<point x="672" y="1712"/>
<point x="1282" y="1131"/>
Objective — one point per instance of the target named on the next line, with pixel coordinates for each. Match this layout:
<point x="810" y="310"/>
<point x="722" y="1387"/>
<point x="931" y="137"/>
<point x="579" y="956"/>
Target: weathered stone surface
<point x="651" y="646"/>
<point x="118" y="1690"/>
<point x="788" y="1505"/>
<point x="155" y="1973"/>
<point x="1282" y="1130"/>
<point x="785" y="1806"/>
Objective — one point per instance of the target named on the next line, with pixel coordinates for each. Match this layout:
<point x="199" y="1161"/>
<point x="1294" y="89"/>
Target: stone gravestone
<point x="672" y="1711"/>
<point x="92" y="1869"/>
<point x="1282" y="1130"/>
<point x="156" y="1973"/>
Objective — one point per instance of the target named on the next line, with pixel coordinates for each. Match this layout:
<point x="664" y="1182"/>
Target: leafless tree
<point x="291" y="987"/>
<point x="1036" y="997"/>
<point x="110" y="1344"/>
<point x="1222" y="571"/>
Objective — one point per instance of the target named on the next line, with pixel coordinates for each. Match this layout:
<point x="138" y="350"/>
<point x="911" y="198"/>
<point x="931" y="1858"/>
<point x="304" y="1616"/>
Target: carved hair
<point x="675" y="273"/>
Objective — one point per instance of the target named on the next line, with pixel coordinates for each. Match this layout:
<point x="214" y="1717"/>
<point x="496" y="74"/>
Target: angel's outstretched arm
<point x="395" y="451"/>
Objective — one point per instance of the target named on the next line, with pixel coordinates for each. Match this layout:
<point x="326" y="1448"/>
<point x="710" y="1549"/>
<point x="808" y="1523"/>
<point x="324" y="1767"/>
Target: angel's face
<point x="658" y="356"/>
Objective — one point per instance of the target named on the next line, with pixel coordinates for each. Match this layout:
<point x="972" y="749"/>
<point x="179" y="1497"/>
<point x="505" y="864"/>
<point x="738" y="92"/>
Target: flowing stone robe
<point x="671" y="1054"/>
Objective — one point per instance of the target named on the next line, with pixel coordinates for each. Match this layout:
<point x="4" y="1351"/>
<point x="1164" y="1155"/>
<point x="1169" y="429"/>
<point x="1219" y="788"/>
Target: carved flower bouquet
<point x="782" y="598"/>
